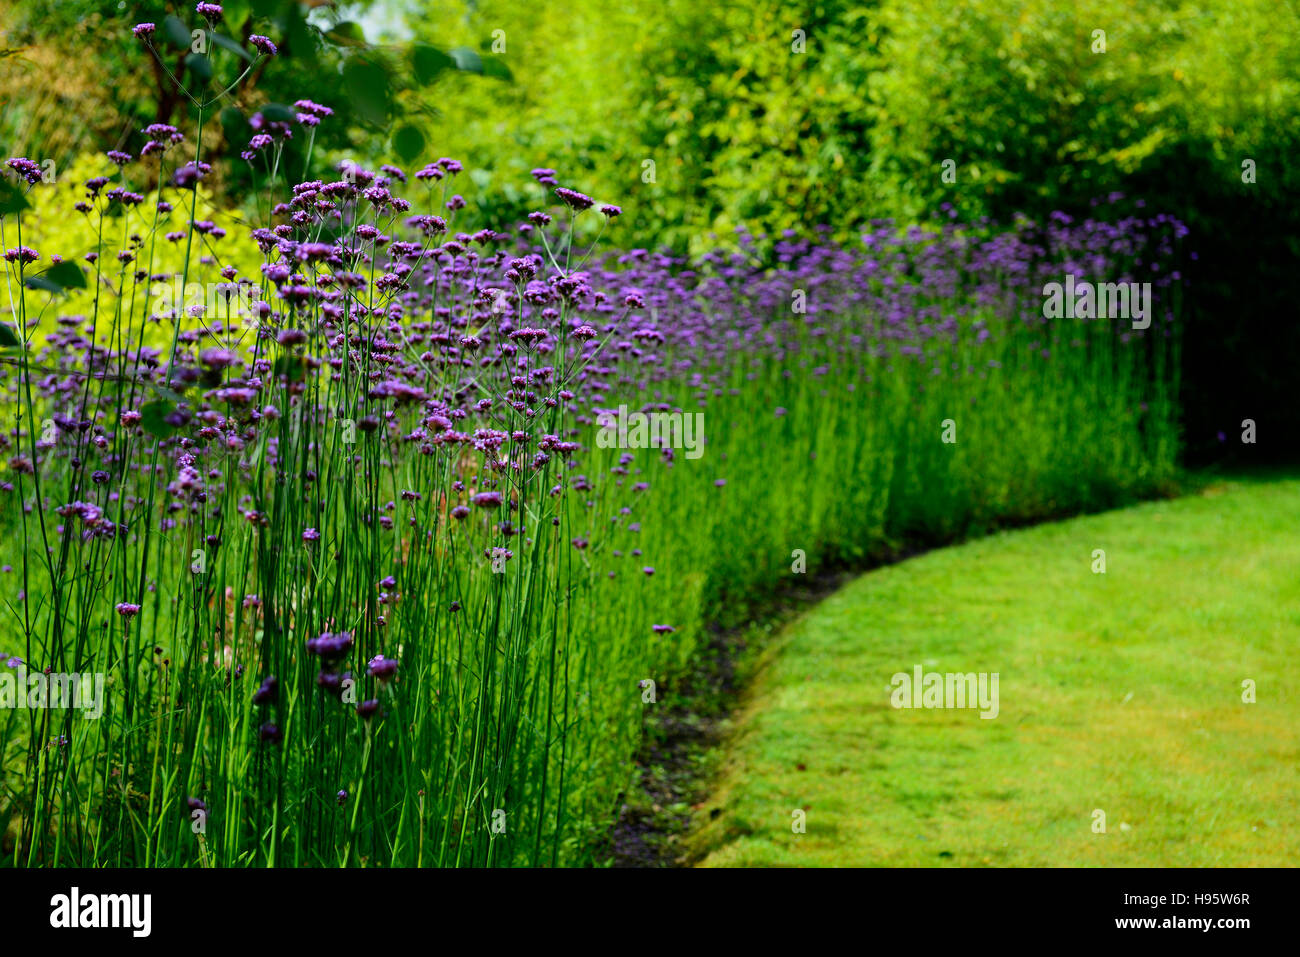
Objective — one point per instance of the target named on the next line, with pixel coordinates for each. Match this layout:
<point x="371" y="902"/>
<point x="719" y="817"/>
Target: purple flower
<point x="278" y="129"/>
<point x="210" y="11"/>
<point x="143" y="31"/>
<point x="127" y="610"/>
<point x="258" y="143"/>
<point x="163" y="131"/>
<point x="218" y="358"/>
<point x="315" y="109"/>
<point x="311" y="535"/>
<point x="126" y="198"/>
<point x="271" y="733"/>
<point x="487" y="499"/>
<point x="189" y="175"/>
<point x="329" y="647"/>
<point x="662" y="629"/>
<point x="27" y="169"/>
<point x="263" y="44"/>
<point x="368" y="709"/>
<point x="268" y="691"/>
<point x="21" y="254"/>
<point x="611" y="211"/>
<point x="574" y="199"/>
<point x="382" y="668"/>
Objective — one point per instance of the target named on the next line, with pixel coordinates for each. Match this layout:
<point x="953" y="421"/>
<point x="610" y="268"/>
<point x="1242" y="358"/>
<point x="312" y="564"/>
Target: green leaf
<point x="67" y="274"/>
<point x="427" y="63"/>
<point x="367" y="84"/>
<point x="9" y="336"/>
<point x="233" y="123"/>
<point x="347" y="34"/>
<point x="237" y="13"/>
<point x="302" y="38"/>
<point x="200" y="66"/>
<point x="467" y="60"/>
<point x="40" y="282"/>
<point x="228" y="44"/>
<point x="177" y="33"/>
<point x="153" y="416"/>
<point x="12" y="199"/>
<point x="277" y="113"/>
<point x="408" y="143"/>
<point x="496" y="68"/>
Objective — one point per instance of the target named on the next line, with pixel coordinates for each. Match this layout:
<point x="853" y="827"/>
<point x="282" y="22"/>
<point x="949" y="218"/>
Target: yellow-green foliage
<point x="52" y="227"/>
<point x="1040" y="102"/>
<point x="743" y="128"/>
<point x="740" y="127"/>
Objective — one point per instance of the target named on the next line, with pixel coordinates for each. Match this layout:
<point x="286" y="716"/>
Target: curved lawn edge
<point x="677" y="763"/>
<point x="1120" y="692"/>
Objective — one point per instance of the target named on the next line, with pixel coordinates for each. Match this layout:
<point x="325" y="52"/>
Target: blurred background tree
<point x="74" y="79"/>
<point x="701" y="118"/>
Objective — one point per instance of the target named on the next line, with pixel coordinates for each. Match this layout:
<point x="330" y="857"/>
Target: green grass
<point x="1119" y="691"/>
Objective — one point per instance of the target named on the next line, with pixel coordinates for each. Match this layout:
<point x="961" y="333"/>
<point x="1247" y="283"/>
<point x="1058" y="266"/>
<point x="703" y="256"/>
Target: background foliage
<point x="743" y="130"/>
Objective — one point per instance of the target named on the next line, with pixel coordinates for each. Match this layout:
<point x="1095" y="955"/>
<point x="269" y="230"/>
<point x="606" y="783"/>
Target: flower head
<point x="268" y="691"/>
<point x="382" y="668"/>
<point x="21" y="254"/>
<point x="25" y="168"/>
<point x="574" y="199"/>
<point x="330" y="647"/>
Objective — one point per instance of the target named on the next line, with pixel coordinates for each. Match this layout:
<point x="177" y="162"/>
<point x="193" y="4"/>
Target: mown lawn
<point x="1119" y="691"/>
